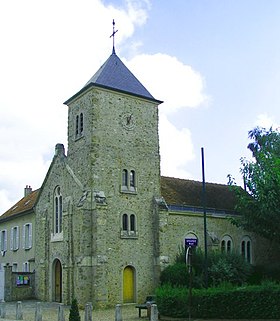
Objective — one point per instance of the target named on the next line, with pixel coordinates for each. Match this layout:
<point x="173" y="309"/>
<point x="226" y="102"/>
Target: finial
<point x="113" y="35"/>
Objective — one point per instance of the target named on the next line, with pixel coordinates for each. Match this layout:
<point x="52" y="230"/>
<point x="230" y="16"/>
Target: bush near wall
<point x="252" y="302"/>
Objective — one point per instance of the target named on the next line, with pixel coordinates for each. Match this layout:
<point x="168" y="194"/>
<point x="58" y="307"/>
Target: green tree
<point x="259" y="206"/>
<point x="74" y="311"/>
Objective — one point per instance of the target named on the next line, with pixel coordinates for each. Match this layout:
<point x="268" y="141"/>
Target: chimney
<point x="27" y="190"/>
<point x="59" y="149"/>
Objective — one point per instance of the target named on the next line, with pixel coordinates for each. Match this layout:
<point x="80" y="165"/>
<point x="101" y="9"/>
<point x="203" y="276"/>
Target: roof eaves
<point x="18" y="214"/>
<point x="91" y="84"/>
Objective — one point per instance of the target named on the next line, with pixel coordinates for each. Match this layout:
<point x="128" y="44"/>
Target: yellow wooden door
<point x="128" y="285"/>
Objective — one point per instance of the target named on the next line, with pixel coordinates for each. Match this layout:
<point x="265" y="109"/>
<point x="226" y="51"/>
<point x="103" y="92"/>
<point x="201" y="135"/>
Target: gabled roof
<point x="113" y="74"/>
<point x="175" y="191"/>
<point x="189" y="193"/>
<point x="23" y="206"/>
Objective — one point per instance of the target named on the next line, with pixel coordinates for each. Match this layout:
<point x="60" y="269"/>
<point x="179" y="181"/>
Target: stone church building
<point x="104" y="223"/>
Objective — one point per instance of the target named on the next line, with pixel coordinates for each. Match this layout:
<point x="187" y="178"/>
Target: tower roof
<point x="113" y="74"/>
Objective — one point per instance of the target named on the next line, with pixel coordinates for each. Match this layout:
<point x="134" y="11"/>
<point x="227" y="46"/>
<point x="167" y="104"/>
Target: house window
<point x="79" y="125"/>
<point x="226" y="244"/>
<point x="246" y="249"/>
<point x="129" y="226"/>
<point x="128" y="181"/>
<point x="26" y="267"/>
<point x="27" y="236"/>
<point x="57" y="211"/>
<point x="3" y="241"/>
<point x="14" y="238"/>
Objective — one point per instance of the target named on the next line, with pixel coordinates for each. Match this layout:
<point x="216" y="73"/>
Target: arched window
<point x="226" y="244"/>
<point x="128" y="184"/>
<point x="125" y="222"/>
<point x="246" y="249"/>
<point x="77" y="125"/>
<point x="124" y="179"/>
<point x="81" y="123"/>
<point x="132" y="179"/>
<point x="132" y="223"/>
<point x="128" y="226"/>
<point x="57" y="211"/>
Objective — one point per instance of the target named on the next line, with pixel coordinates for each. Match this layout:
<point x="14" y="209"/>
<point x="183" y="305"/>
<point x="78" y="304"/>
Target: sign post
<point x="189" y="244"/>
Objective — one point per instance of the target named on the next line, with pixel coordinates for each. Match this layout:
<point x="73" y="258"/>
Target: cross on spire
<point x="113" y="35"/>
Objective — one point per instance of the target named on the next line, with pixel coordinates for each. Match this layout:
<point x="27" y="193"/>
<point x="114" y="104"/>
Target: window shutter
<point x="5" y="241"/>
<point x="18" y="238"/>
<point x="11" y="238"/>
<point x="30" y="236"/>
<point x="23" y="236"/>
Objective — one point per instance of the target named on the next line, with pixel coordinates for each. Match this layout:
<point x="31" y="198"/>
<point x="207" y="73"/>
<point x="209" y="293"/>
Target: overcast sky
<point x="215" y="64"/>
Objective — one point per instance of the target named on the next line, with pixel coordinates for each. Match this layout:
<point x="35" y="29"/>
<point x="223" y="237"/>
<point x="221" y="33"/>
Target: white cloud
<point x="168" y="79"/>
<point x="49" y="50"/>
<point x="176" y="149"/>
<point x="180" y="87"/>
<point x="265" y="121"/>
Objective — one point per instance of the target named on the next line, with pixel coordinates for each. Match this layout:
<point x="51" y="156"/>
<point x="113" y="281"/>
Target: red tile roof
<point x="178" y="191"/>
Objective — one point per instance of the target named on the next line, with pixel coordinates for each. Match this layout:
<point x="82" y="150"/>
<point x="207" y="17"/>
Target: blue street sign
<point x="191" y="242"/>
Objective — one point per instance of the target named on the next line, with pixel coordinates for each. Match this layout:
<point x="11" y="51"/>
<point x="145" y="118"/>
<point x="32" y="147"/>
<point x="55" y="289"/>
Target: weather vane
<point x="113" y="35"/>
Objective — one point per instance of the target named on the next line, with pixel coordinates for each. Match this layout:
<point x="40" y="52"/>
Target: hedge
<point x="251" y="302"/>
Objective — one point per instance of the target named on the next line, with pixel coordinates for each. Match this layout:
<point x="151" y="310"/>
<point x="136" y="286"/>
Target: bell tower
<point x="113" y="149"/>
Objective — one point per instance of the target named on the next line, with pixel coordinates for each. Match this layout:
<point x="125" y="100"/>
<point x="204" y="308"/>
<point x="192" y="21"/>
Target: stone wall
<point x="19" y="285"/>
<point x="175" y="226"/>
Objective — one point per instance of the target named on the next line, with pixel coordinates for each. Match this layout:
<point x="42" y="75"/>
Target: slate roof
<point x="113" y="74"/>
<point x="185" y="192"/>
<point x="23" y="206"/>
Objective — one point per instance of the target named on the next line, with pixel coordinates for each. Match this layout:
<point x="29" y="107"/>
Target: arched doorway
<point x="57" y="281"/>
<point x="129" y="284"/>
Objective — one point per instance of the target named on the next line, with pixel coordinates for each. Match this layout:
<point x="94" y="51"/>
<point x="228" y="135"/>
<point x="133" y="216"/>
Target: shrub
<point x="225" y="303"/>
<point x="222" y="268"/>
<point x="74" y="311"/>
<point x="228" y="268"/>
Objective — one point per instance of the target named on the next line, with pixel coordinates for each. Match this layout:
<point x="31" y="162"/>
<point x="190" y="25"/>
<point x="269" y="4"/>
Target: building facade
<point x="104" y="222"/>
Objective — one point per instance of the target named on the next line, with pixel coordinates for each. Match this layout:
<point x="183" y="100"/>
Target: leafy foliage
<point x="228" y="268"/>
<point x="260" y="206"/>
<point x="74" y="311"/>
<point x="222" y="268"/>
<point x="221" y="302"/>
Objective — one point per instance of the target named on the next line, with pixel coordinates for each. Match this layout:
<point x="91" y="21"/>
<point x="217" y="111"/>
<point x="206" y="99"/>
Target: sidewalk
<point x="50" y="313"/>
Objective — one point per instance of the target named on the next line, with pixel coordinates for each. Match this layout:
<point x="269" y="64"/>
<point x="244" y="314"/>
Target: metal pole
<point x="189" y="265"/>
<point x="205" y="223"/>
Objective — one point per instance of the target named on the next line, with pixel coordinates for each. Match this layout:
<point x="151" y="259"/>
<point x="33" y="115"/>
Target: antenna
<point x="113" y="35"/>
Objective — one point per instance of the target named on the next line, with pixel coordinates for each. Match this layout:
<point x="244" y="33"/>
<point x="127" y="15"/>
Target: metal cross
<point x="113" y="35"/>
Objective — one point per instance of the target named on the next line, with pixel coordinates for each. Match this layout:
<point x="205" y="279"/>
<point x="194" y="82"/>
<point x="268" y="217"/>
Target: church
<point x="105" y="223"/>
